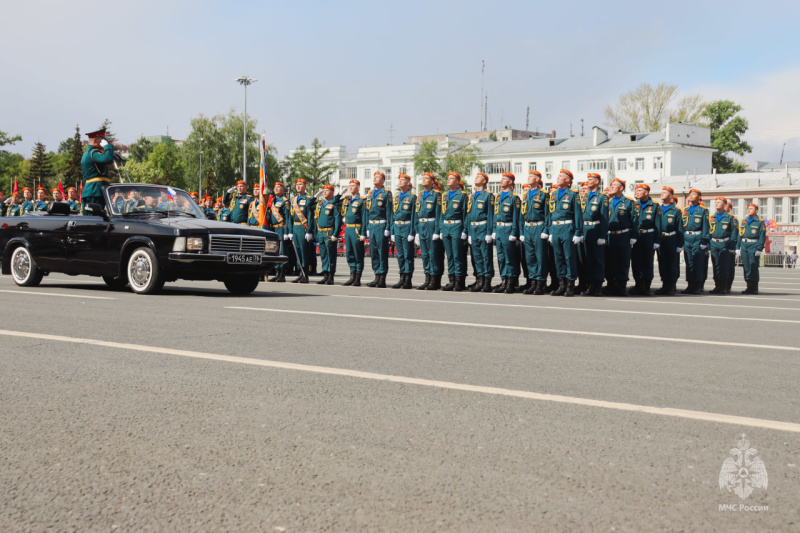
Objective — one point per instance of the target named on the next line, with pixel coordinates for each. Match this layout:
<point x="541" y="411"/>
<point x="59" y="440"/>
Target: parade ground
<point x="311" y="408"/>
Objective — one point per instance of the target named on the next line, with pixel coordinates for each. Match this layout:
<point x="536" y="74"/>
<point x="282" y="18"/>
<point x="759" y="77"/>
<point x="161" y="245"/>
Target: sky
<point x="371" y="73"/>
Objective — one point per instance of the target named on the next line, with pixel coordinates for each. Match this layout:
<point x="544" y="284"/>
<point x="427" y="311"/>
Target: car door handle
<point x="71" y="224"/>
<point x="73" y="240"/>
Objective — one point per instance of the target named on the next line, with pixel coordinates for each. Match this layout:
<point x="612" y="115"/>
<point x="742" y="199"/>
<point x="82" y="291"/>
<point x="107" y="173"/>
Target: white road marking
<point x="590" y="310"/>
<point x="619" y="406"/>
<point x="81" y="296"/>
<point x="525" y="328"/>
<point x="671" y="302"/>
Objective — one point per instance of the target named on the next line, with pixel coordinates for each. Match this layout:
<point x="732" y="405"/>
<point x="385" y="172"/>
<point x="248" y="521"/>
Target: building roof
<point x="566" y="144"/>
<point x="772" y="165"/>
<point x="744" y="181"/>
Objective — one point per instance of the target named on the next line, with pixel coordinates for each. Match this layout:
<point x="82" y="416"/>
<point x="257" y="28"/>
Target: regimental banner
<point x="784" y="229"/>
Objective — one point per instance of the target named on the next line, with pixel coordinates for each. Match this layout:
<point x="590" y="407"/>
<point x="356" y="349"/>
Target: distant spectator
<point x="794" y="259"/>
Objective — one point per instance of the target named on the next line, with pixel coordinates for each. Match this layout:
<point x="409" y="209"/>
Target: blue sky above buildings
<point x="345" y="72"/>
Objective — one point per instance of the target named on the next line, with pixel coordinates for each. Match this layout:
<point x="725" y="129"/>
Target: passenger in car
<point x="41" y="199"/>
<point x="28" y="204"/>
<point x="133" y="201"/>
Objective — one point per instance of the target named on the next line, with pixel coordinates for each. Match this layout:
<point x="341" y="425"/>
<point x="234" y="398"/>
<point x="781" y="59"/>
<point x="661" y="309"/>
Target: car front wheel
<point x="144" y="275"/>
<point x="242" y="285"/>
<point x="24" y="269"/>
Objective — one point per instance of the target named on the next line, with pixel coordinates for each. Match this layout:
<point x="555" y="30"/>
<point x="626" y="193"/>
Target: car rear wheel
<point x="24" y="269"/>
<point x="144" y="275"/>
<point x="116" y="284"/>
<point x="242" y="285"/>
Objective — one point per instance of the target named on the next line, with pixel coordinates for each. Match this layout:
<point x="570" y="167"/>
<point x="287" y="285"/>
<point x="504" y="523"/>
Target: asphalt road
<point x="308" y="408"/>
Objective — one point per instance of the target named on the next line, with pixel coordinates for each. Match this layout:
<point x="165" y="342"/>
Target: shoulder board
<point x="744" y="220"/>
<point x="629" y="198"/>
<point x="760" y="219"/>
<point x="656" y="203"/>
<point x="574" y="190"/>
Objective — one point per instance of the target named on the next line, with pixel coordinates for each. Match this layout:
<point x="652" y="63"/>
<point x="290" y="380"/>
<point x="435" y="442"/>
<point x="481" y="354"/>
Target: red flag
<point x="16" y="188"/>
<point x="61" y="188"/>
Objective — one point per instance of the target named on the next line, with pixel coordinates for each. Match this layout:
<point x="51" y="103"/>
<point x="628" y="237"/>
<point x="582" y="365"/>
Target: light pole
<point x="200" y="179"/>
<point x="245" y="81"/>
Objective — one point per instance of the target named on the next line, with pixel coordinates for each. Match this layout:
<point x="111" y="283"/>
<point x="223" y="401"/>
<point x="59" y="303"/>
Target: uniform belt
<point x="534" y="224"/>
<point x="451" y="222"/>
<point x="591" y="222"/>
<point x="479" y="223"/>
<point x="649" y="230"/>
<point x="281" y="225"/>
<point x="726" y="239"/>
<point x="353" y="225"/>
<point x="325" y="229"/>
<point x="619" y="231"/>
<point x="426" y="219"/>
<point x="93" y="180"/>
<point x="402" y="222"/>
<point x="502" y="224"/>
<point x="377" y="222"/>
<point x="670" y="234"/>
<point x="749" y="240"/>
<point x="692" y="232"/>
<point x="561" y="222"/>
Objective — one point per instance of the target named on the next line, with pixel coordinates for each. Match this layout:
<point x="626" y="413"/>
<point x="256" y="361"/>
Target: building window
<point x="402" y="169"/>
<point x="532" y="166"/>
<point x="747" y="201"/>
<point x="497" y="168"/>
<point x="658" y="163"/>
<point x="763" y="210"/>
<point x="588" y="165"/>
<point x="352" y="173"/>
<point x="518" y="168"/>
<point x="795" y="209"/>
<point x="494" y="187"/>
<point x="565" y="165"/>
<point x="622" y="164"/>
<point x="367" y="175"/>
<point x="639" y="163"/>
<point x="548" y="166"/>
<point x="778" y="210"/>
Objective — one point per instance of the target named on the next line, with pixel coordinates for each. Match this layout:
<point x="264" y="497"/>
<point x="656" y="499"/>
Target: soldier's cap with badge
<point x="327" y="186"/>
<point x="298" y="180"/>
<point x="643" y="186"/>
<point x="753" y="205"/>
<point x="356" y="182"/>
<point x="510" y="176"/>
<point x="379" y="173"/>
<point x="619" y="181"/>
<point x="72" y="189"/>
<point x="536" y="172"/>
<point x="26" y="189"/>
<point x="278" y="183"/>
<point x="482" y="174"/>
<point x="40" y="188"/>
<point x="724" y="200"/>
<point x="670" y="189"/>
<point x="697" y="191"/>
<point x="256" y="186"/>
<point x="403" y="175"/>
<point x="567" y="172"/>
<point x="594" y="175"/>
<point x="241" y="182"/>
<point x="454" y="173"/>
<point x="193" y="193"/>
<point x="430" y="175"/>
<point x="97" y="134"/>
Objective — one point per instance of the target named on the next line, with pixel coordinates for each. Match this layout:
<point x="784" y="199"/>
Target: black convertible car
<point x="145" y="236"/>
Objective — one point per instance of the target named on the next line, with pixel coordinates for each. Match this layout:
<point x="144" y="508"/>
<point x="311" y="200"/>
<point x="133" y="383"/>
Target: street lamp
<point x="200" y="179"/>
<point x="245" y="81"/>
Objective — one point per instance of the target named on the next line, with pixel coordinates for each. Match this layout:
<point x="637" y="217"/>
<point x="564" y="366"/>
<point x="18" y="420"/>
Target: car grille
<point x="237" y="243"/>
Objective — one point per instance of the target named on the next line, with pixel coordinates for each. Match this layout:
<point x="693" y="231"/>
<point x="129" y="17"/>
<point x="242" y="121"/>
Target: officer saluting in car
<point x="95" y="163"/>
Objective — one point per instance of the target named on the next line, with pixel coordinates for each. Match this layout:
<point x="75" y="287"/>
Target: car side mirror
<point x="95" y="210"/>
<point x="211" y="216"/>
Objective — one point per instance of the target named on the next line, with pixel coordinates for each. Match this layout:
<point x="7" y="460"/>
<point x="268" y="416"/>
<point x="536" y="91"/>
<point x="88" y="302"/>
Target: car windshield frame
<point x="165" y="204"/>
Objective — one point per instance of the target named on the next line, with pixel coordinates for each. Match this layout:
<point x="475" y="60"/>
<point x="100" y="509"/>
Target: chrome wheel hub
<point x="140" y="270"/>
<point x="21" y="266"/>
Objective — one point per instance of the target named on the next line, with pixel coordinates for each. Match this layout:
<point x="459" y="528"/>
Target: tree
<point x="427" y="159"/>
<point x="6" y="139"/>
<point x="64" y="146"/>
<point x="142" y="172"/>
<point x="647" y="108"/>
<point x="41" y="170"/>
<point x="110" y="137"/>
<point x="309" y="163"/>
<point x="10" y="164"/>
<point x="727" y="129"/>
<point x="166" y="160"/>
<point x="461" y="159"/>
<point x="493" y="136"/>
<point x="73" y="174"/>
<point x="140" y="150"/>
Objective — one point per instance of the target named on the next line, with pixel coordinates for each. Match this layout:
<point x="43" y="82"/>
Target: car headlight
<point x="271" y="247"/>
<point x="179" y="245"/>
<point x="194" y="244"/>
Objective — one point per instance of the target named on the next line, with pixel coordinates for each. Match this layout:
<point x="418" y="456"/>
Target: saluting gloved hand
<point x="103" y="143"/>
<point x="633" y="241"/>
<point x="410" y="238"/>
<point x="522" y="238"/>
<point x="577" y="239"/>
<point x="469" y="240"/>
<point x="435" y="237"/>
<point x="679" y="249"/>
<point x="488" y="239"/>
<point x="703" y="246"/>
<point x="309" y="237"/>
<point x="386" y="233"/>
<point x="544" y="235"/>
<point x="463" y="236"/>
<point x="601" y="242"/>
<point x="758" y="252"/>
<point x="656" y="246"/>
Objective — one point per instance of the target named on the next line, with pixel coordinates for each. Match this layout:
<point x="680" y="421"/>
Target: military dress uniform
<point x="534" y="223"/>
<point x="566" y="223"/>
<point x="506" y="231"/>
<point x="595" y="232"/>
<point x="354" y="212"/>
<point x="732" y="262"/>
<point x="40" y="205"/>
<point x="277" y="220"/>
<point x="480" y="220"/>
<point x="328" y="216"/>
<point x="622" y="229"/>
<point x="302" y="223"/>
<point x="694" y="224"/>
<point x="14" y="210"/>
<point x="722" y="246"/>
<point x="224" y="215"/>
<point x="648" y="240"/>
<point x="404" y="222"/>
<point x="28" y="206"/>
<point x="752" y="239"/>
<point x="252" y="213"/>
<point x="428" y="212"/>
<point x="239" y="205"/>
<point x="74" y="206"/>
<point x="671" y="245"/>
<point x="453" y="232"/>
<point x="3" y="208"/>
<point x="379" y="216"/>
<point x="94" y="163"/>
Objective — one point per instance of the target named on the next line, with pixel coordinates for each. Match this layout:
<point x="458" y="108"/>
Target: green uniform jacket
<point x="429" y="206"/>
<point x="239" y="206"/>
<point x="671" y="223"/>
<point x="566" y="207"/>
<point x="724" y="227"/>
<point x="622" y="216"/>
<point x="224" y="215"/>
<point x="647" y="219"/>
<point x="595" y="212"/>
<point x="405" y="211"/>
<point x="354" y="212"/>
<point x="696" y="221"/>
<point x="379" y="206"/>
<point x="328" y="215"/>
<point x="301" y="213"/>
<point x="95" y="163"/>
<point x="14" y="210"/>
<point x="507" y="211"/>
<point x="278" y="215"/>
<point x="752" y="229"/>
<point x="453" y="208"/>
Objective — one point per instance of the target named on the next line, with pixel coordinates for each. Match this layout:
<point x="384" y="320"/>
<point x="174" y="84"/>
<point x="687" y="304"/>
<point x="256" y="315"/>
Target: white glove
<point x="463" y="236"/>
<point x="678" y="250"/>
<point x="309" y="237"/>
<point x="656" y="246"/>
<point x="232" y="189"/>
<point x="512" y="238"/>
<point x="577" y="239"/>
<point x="103" y="143"/>
<point x="367" y="233"/>
<point x="758" y="253"/>
<point x="286" y="237"/>
<point x="410" y="238"/>
<point x="544" y="235"/>
<point x="362" y="238"/>
<point x="291" y="236"/>
<point x="494" y="236"/>
<point x="469" y="240"/>
<point x="440" y="237"/>
<point x="489" y="239"/>
<point x="386" y="233"/>
<point x="435" y="237"/>
<point x="738" y="253"/>
<point x="334" y="239"/>
<point x="601" y="242"/>
<point x="703" y="246"/>
<point x="391" y="238"/>
<point x="633" y="241"/>
<point x="416" y="239"/>
<point x="522" y="238"/>
<point x="550" y="238"/>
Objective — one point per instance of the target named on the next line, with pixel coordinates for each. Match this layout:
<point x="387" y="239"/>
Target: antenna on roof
<point x="570" y="129"/>
<point x="527" y="118"/>
<point x="782" y="149"/>
<point x="483" y="67"/>
<point x="581" y="127"/>
<point x="391" y="131"/>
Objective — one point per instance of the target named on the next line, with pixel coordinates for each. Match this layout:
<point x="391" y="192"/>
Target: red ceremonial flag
<point x="61" y="189"/>
<point x="16" y="188"/>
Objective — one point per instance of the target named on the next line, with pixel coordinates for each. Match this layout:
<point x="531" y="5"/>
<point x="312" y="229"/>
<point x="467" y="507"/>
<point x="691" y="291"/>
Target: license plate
<point x="244" y="259"/>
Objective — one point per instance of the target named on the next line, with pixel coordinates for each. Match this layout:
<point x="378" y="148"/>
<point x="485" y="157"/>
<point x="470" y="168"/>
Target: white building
<point x="634" y="157"/>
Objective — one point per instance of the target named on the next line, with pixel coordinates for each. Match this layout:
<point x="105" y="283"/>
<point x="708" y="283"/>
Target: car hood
<point x="213" y="226"/>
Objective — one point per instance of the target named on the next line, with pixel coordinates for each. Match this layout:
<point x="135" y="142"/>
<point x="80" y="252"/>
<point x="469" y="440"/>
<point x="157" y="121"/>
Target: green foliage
<point x="60" y="163"/>
<point x="427" y="160"/>
<point x="493" y="136"/>
<point x="727" y="129"/>
<point x="73" y="173"/>
<point x="140" y="150"/>
<point x="10" y="167"/>
<point x="461" y="159"/>
<point x="6" y="139"/>
<point x="64" y="146"/>
<point x="41" y="169"/>
<point x="166" y="160"/>
<point x="308" y="163"/>
<point x="110" y="137"/>
<point x="142" y="172"/>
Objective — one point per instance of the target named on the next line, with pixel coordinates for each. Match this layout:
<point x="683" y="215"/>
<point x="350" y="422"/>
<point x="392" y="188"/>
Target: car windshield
<point x="127" y="199"/>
